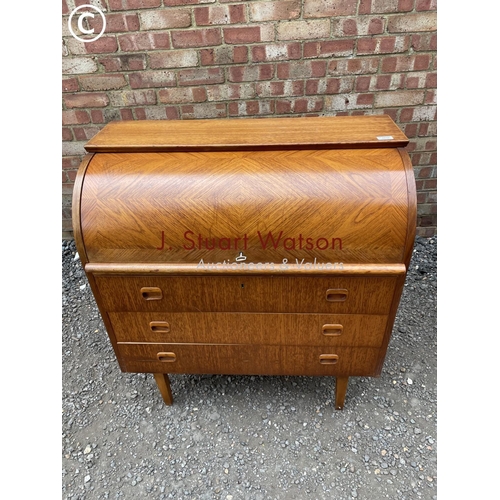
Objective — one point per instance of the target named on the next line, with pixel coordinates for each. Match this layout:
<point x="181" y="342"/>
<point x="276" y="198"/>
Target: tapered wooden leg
<point x="163" y="383"/>
<point x="340" y="390"/>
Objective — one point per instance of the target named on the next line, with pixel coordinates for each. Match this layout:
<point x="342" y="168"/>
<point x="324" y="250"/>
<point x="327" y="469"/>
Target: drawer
<point x="275" y="294"/>
<point x="250" y="328"/>
<point x="233" y="359"/>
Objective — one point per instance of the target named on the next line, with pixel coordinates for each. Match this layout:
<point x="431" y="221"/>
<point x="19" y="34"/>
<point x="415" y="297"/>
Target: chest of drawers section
<point x="248" y="259"/>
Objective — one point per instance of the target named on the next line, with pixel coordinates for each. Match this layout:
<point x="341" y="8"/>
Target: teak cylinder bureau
<point x="271" y="246"/>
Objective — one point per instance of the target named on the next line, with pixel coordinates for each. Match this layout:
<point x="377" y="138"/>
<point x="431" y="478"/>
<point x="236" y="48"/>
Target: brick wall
<point x="194" y="59"/>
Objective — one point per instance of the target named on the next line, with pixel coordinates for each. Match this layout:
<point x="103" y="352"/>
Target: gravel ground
<point x="256" y="438"/>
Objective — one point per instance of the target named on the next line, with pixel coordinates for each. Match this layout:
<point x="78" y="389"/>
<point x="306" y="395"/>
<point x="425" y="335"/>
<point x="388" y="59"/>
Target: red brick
<point x="405" y="63"/>
<point x="405" y="5"/>
<point x="102" y="82"/>
<point x="410" y="147"/>
<point x="196" y="38"/>
<point x="143" y="41"/>
<point x="231" y="91"/>
<point x="416" y="80"/>
<point x="85" y="133"/>
<point x="333" y="85"/>
<point x="359" y="26"/>
<point x="65" y="9"/>
<point x="364" y="99"/>
<point x="276" y="52"/>
<point x="102" y="45"/>
<point x="274" y="11"/>
<point x="71" y="162"/>
<point x="242" y="35"/>
<point x="69" y="85"/>
<point x="421" y="197"/>
<point x="201" y="76"/>
<point x="272" y="89"/>
<point x="71" y="175"/>
<point x="182" y="95"/>
<point x="355" y="66"/>
<point x="251" y="73"/>
<point x="224" y="55"/>
<point x="322" y="86"/>
<point x="301" y="69"/>
<point x="426" y="5"/>
<point x="157" y="113"/>
<point x="126" y="114"/>
<point x="422" y="62"/>
<point x="97" y="116"/>
<point x="423" y="129"/>
<point x="330" y="48"/>
<point x="221" y="14"/>
<point x="424" y="42"/>
<point x="383" y="82"/>
<point x="132" y="98"/>
<point x="379" y="82"/>
<point x="410" y="130"/>
<point x="170" y="3"/>
<point x="133" y="4"/>
<point x="251" y="108"/>
<point x="67" y="135"/>
<point x="363" y="83"/>
<point x="152" y="79"/>
<point x="304" y="105"/>
<point x="406" y="115"/>
<point x="92" y="100"/>
<point x="324" y="8"/>
<point x="75" y="117"/>
<point x="116" y="23"/>
<point x="383" y="45"/>
<point x="165" y="19"/>
<point x="126" y="62"/>
<point x="415" y="160"/>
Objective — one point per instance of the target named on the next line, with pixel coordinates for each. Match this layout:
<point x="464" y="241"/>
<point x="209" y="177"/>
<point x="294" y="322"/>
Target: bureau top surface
<point x="242" y="134"/>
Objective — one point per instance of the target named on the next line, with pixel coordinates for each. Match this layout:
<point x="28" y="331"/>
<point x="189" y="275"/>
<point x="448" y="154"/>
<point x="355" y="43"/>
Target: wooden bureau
<point x="271" y="246"/>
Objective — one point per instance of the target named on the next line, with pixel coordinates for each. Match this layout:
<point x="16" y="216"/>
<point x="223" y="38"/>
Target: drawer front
<point x="361" y="330"/>
<point x="249" y="360"/>
<point x="277" y="294"/>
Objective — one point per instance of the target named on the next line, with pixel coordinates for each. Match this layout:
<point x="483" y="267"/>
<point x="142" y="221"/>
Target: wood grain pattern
<point x="306" y="207"/>
<point x="238" y="134"/>
<point x="361" y="330"/>
<point x="231" y="359"/>
<point x="278" y="294"/>
<point x="166" y="269"/>
<point x="163" y="383"/>
<point x="274" y="246"/>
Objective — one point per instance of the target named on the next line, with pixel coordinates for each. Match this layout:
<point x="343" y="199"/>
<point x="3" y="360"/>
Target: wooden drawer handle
<point x="159" y="326"/>
<point x="328" y="359"/>
<point x="166" y="357"/>
<point x="332" y="330"/>
<point x="333" y="295"/>
<point x="151" y="293"/>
